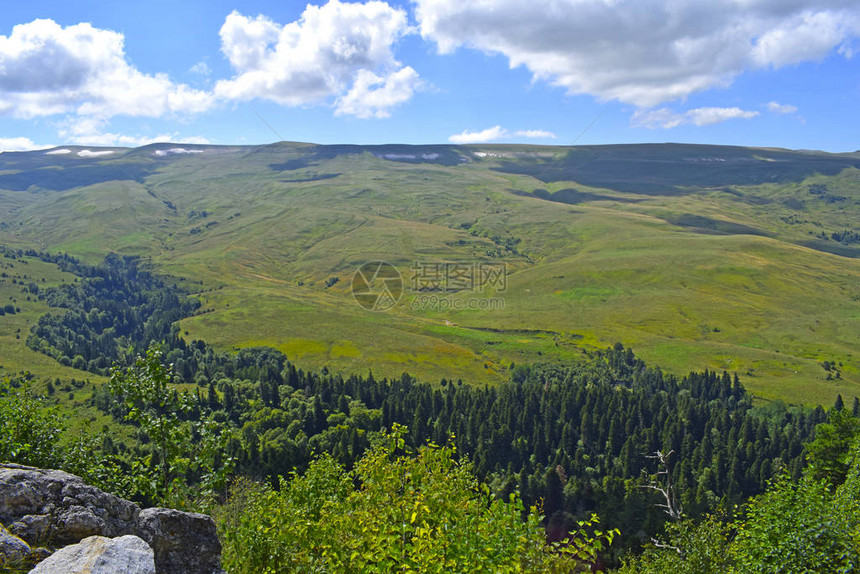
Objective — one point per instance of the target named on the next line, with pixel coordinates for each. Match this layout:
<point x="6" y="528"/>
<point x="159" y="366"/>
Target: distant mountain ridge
<point x="624" y="167"/>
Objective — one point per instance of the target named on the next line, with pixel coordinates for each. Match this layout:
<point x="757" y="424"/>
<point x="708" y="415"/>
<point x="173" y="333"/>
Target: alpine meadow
<point x="696" y="256"/>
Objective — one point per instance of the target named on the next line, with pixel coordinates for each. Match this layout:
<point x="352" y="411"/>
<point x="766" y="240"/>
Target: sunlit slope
<point x="721" y="257"/>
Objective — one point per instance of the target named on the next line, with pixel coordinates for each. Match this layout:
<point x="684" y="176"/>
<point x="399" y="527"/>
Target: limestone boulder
<point x="101" y="555"/>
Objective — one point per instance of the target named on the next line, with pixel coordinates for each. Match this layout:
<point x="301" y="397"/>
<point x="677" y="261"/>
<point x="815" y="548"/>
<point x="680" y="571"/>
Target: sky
<point x="774" y="73"/>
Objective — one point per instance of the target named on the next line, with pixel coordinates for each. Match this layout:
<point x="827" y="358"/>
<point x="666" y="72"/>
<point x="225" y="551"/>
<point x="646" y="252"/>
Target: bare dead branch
<point x="672" y="508"/>
<point x="658" y="544"/>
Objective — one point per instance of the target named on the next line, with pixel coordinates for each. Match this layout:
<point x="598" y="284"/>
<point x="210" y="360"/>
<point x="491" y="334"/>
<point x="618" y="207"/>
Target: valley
<point x="735" y="259"/>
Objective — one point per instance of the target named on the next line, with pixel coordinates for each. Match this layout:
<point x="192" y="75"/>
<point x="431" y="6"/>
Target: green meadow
<point x="697" y="257"/>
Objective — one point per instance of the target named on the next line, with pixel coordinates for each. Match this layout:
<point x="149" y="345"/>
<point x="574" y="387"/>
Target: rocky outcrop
<point x="100" y="555"/>
<point x="172" y="533"/>
<point x="54" y="508"/>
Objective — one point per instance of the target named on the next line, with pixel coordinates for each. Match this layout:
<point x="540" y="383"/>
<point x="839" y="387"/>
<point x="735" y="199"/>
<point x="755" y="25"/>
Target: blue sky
<point x="782" y="73"/>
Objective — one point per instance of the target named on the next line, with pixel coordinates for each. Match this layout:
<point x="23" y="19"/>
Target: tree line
<point x="110" y="317"/>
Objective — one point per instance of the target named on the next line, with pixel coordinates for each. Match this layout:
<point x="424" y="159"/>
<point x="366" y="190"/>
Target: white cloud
<point x="536" y="134"/>
<point x="246" y="42"/>
<point x="109" y="139"/>
<point x="494" y="133"/>
<point x="778" y="108"/>
<point x="92" y="132"/>
<point x="805" y="35"/>
<point x="17" y="144"/>
<point x="374" y="96"/>
<point x="340" y="51"/>
<point x="666" y="118"/>
<point x="200" y="68"/>
<point x="47" y="69"/>
<point x="711" y="115"/>
<point x="642" y="52"/>
<point x="497" y="133"/>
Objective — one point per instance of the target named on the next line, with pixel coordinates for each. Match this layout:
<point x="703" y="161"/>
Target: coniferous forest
<point x="606" y="436"/>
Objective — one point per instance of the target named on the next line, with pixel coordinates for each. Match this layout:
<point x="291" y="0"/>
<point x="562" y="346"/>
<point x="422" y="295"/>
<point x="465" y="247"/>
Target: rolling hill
<point x="743" y="259"/>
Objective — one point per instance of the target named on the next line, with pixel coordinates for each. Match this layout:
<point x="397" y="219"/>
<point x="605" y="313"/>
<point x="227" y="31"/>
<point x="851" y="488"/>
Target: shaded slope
<point x="667" y="169"/>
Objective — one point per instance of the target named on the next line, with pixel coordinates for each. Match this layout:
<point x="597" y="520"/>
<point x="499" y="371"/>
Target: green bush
<point x="30" y="429"/>
<point x="187" y="455"/>
<point x="395" y="512"/>
<point x="804" y="526"/>
<point x="801" y="527"/>
<point x="694" y="548"/>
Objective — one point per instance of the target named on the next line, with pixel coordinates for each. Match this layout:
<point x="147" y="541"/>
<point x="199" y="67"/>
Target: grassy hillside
<point x="19" y="277"/>
<point x="697" y="256"/>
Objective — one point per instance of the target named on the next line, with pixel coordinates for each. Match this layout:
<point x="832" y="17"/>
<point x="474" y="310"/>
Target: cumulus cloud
<point x="806" y="35"/>
<point x="374" y="96"/>
<point x="536" y="134"/>
<point x="47" y="69"/>
<point x="642" y="53"/>
<point x="666" y="118"/>
<point x="17" y="144"/>
<point x="494" y="133"/>
<point x="338" y="51"/>
<point x="778" y="108"/>
<point x="497" y="133"/>
<point x="93" y="132"/>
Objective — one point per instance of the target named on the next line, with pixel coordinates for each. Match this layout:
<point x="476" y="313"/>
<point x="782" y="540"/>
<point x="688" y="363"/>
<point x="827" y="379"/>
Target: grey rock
<point x="79" y="522"/>
<point x="184" y="542"/>
<point x="56" y="507"/>
<point x="100" y="555"/>
<point x="13" y="550"/>
<point x="37" y="525"/>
